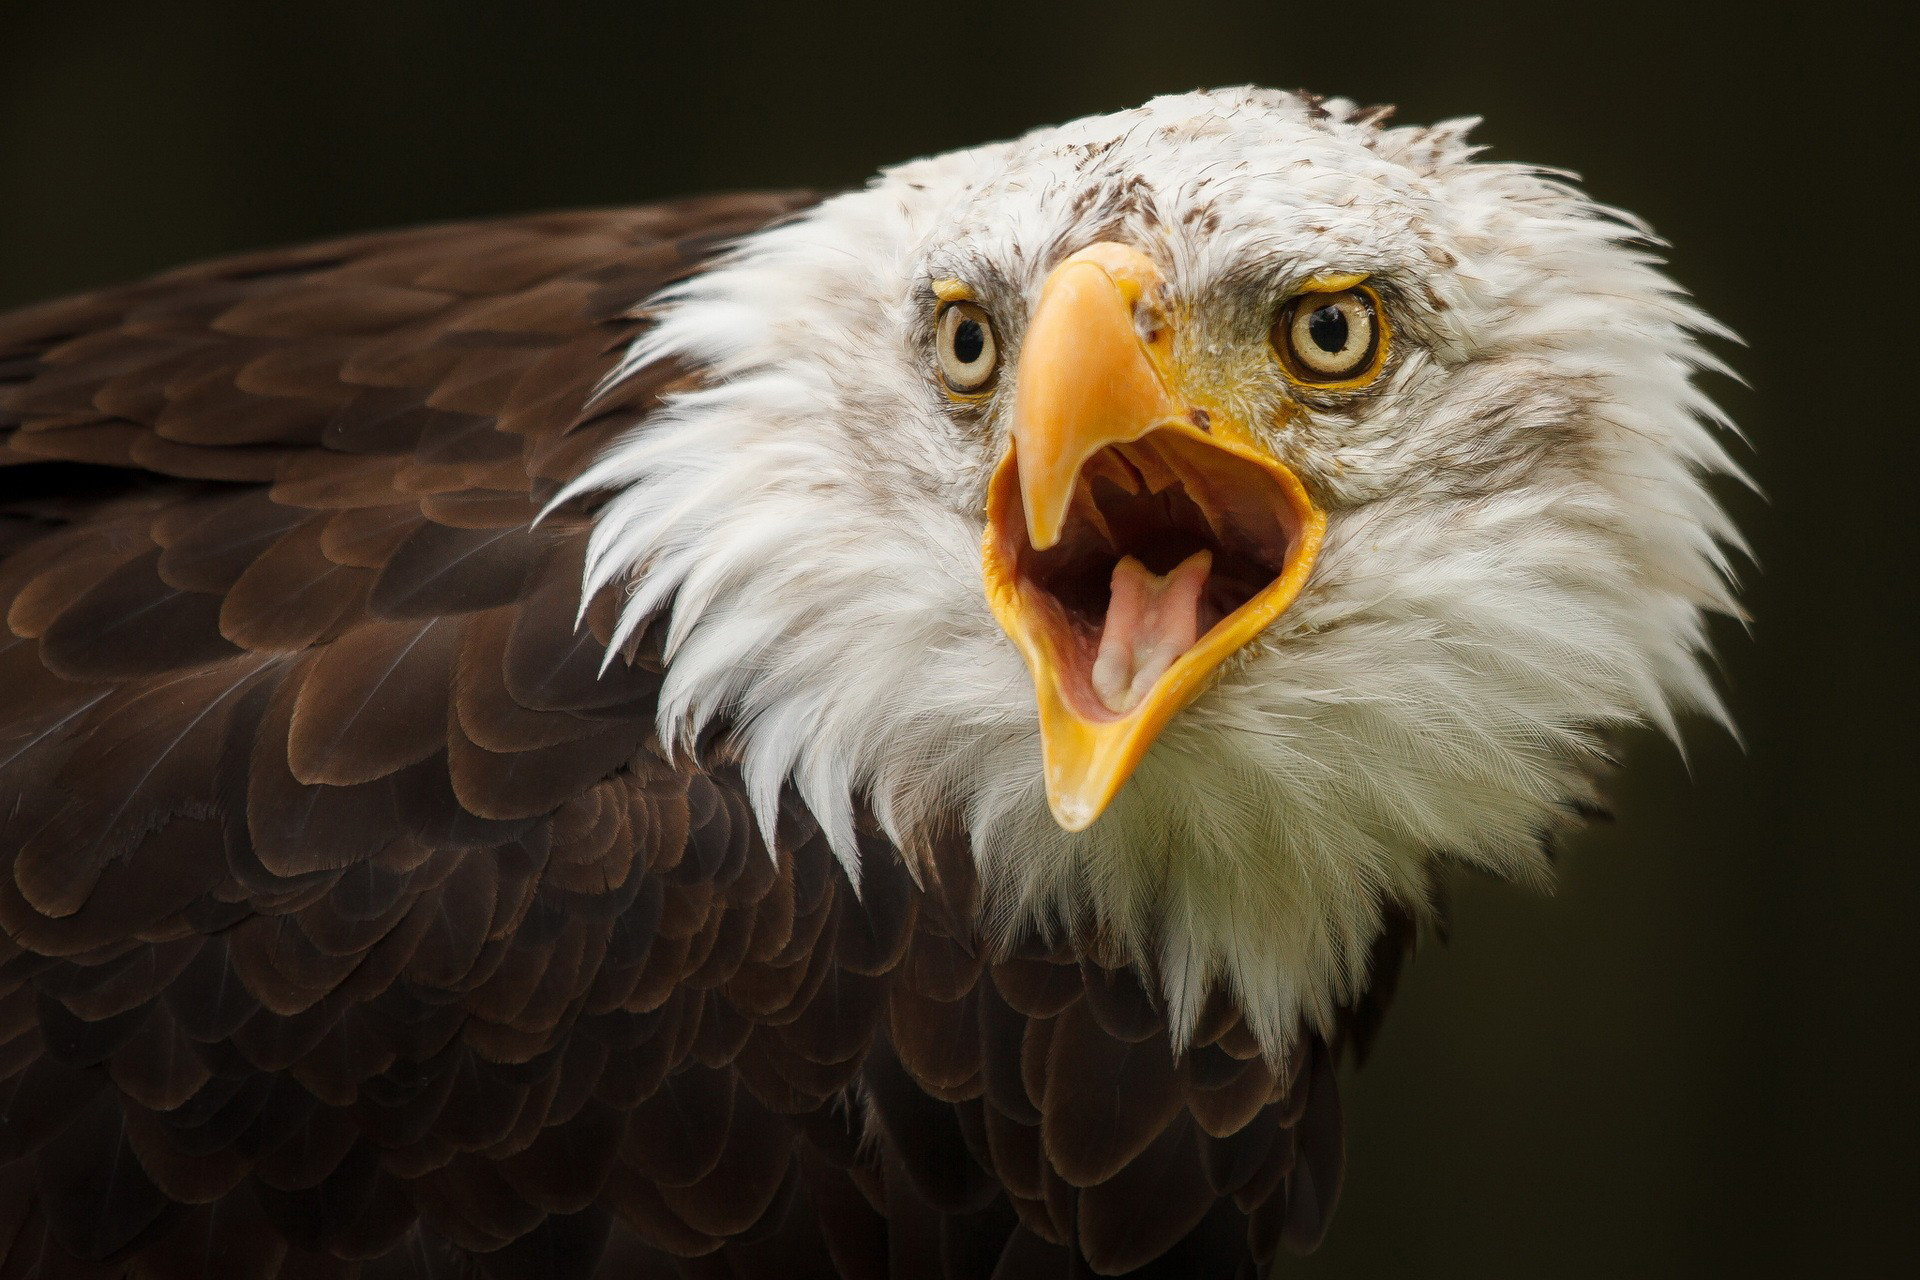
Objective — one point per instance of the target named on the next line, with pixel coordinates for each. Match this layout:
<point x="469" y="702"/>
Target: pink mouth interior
<point x="1151" y="620"/>
<point x="1165" y="538"/>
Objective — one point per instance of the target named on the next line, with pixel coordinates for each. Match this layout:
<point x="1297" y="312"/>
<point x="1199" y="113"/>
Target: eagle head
<point x="1218" y="514"/>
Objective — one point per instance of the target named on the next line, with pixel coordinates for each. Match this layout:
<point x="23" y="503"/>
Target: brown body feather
<point x="353" y="922"/>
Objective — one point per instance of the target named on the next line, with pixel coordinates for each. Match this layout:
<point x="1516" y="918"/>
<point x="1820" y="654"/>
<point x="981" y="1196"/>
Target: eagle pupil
<point x="968" y="341"/>
<point x="1328" y="329"/>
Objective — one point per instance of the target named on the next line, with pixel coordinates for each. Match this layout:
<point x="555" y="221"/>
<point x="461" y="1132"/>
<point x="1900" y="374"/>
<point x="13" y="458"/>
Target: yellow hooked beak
<point x="1134" y="540"/>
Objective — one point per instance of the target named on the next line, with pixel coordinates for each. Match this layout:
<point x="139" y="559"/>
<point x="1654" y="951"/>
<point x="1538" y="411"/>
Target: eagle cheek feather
<point x="375" y="890"/>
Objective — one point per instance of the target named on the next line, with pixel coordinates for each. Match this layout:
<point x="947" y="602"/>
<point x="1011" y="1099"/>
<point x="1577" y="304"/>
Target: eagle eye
<point x="968" y="354"/>
<point x="1330" y="337"/>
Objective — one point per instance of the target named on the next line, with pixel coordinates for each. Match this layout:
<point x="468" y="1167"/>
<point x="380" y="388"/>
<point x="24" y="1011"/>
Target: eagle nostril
<point x="1200" y="418"/>
<point x="1149" y="320"/>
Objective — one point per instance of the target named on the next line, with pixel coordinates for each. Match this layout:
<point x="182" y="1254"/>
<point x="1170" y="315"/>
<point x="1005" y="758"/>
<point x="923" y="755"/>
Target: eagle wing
<point x="355" y="923"/>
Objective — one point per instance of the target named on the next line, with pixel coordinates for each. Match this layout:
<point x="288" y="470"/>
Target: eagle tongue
<point x="1151" y="621"/>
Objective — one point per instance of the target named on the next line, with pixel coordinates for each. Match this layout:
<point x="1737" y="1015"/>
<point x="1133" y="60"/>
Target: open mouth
<point x="1134" y="540"/>
<point x="1166" y="539"/>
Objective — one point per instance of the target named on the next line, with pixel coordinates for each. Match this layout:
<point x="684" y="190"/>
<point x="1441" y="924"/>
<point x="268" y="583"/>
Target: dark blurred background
<point x="1698" y="1058"/>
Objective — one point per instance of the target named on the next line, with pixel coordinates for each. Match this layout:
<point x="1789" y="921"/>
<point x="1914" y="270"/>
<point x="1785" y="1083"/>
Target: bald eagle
<point x="903" y="734"/>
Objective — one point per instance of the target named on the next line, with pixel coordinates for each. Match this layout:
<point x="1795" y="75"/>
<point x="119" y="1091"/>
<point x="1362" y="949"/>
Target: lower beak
<point x="1133" y="543"/>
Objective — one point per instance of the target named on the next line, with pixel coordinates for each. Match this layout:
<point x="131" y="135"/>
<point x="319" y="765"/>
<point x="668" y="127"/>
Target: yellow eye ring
<point x="969" y="355"/>
<point x="1333" y="339"/>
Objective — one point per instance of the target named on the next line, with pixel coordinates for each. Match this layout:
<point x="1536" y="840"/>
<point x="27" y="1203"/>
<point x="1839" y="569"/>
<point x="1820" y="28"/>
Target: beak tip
<point x="1043" y="529"/>
<point x="1074" y="814"/>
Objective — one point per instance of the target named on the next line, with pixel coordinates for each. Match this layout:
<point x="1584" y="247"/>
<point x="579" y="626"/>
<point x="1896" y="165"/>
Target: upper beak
<point x="1133" y="543"/>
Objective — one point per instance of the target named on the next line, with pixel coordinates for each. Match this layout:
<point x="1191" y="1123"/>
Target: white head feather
<point x="1520" y="553"/>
